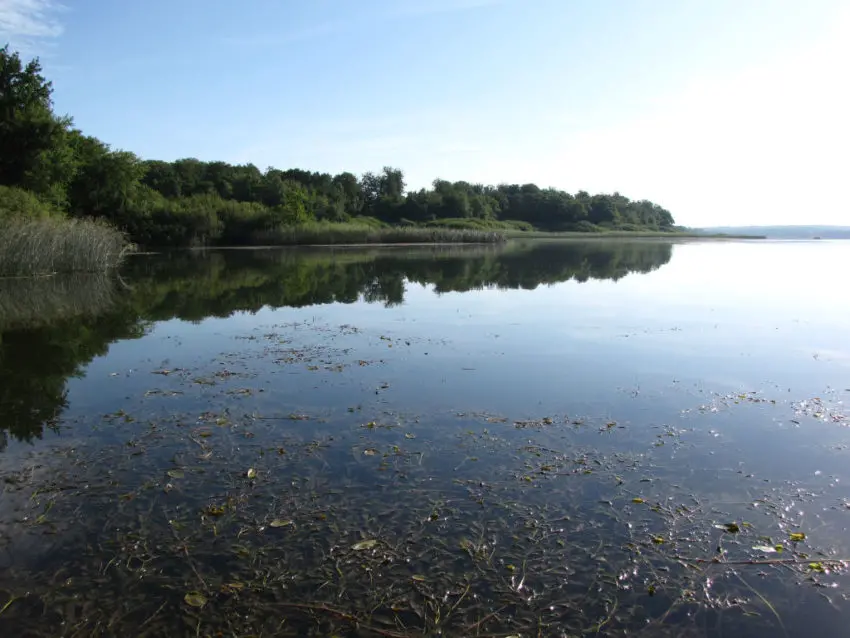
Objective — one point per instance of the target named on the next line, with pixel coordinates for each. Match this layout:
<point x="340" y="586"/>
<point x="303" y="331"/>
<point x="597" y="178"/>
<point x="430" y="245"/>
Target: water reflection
<point x="629" y="458"/>
<point x="51" y="328"/>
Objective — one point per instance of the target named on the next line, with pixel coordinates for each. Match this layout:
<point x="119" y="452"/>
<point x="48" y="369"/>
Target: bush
<point x="629" y="227"/>
<point x="584" y="226"/>
<point x="16" y="203"/>
<point x="474" y="223"/>
<point x="47" y="246"/>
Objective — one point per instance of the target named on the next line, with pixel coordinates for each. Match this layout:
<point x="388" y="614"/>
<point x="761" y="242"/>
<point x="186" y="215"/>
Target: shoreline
<point x="508" y="237"/>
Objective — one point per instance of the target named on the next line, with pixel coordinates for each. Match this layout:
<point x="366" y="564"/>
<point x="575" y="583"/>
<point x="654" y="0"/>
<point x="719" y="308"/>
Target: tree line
<point x="48" y="167"/>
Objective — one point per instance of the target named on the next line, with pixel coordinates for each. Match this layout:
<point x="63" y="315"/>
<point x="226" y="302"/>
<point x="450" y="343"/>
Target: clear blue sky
<point x="724" y="111"/>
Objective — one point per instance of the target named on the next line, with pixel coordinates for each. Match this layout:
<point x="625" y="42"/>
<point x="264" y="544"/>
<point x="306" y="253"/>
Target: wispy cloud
<point x="28" y="24"/>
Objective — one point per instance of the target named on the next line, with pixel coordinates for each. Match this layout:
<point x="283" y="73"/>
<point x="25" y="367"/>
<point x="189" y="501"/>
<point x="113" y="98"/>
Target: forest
<point x="51" y="170"/>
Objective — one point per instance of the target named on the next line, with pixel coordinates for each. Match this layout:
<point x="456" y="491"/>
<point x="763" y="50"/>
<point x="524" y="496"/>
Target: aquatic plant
<point x="56" y="245"/>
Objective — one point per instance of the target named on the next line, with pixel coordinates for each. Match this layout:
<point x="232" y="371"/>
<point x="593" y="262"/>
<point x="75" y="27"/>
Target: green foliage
<point x="190" y="202"/>
<point x="18" y="204"/>
<point x="30" y="134"/>
<point x="106" y="182"/>
<point x="481" y="224"/>
<point x="356" y="233"/>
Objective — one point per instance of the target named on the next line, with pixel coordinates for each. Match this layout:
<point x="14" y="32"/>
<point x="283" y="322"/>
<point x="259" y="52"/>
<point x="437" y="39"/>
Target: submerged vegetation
<point x="48" y="165"/>
<point x="246" y="480"/>
<point x="206" y="504"/>
<point x="243" y="523"/>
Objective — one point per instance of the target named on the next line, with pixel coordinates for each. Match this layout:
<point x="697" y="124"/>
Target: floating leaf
<point x="797" y="536"/>
<point x="176" y="474"/>
<point x="767" y="549"/>
<point x="658" y="540"/>
<point x="251" y="473"/>
<point x="195" y="599"/>
<point x="732" y="528"/>
<point x="419" y="578"/>
<point x="232" y="588"/>
<point x="638" y="500"/>
<point x="367" y="544"/>
<point x="279" y="522"/>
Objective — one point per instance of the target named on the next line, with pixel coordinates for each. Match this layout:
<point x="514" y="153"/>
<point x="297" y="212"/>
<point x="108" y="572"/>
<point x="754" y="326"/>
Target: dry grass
<point x="47" y="246"/>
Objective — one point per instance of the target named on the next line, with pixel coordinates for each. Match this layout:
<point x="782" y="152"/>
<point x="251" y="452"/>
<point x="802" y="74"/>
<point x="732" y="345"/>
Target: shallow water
<point x="545" y="438"/>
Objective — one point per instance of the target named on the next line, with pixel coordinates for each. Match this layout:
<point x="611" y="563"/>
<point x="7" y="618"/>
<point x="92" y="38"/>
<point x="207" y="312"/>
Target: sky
<point x="722" y="111"/>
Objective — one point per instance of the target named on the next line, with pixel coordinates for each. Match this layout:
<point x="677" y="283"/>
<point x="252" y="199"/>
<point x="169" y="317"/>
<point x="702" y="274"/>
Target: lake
<point x="550" y="438"/>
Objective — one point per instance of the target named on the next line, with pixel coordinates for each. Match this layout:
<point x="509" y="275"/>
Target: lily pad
<point x="362" y="545"/>
<point x="195" y="599"/>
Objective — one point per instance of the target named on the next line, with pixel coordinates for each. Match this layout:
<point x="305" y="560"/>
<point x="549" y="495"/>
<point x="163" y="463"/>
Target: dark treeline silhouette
<point x="47" y="167"/>
<point x="47" y="336"/>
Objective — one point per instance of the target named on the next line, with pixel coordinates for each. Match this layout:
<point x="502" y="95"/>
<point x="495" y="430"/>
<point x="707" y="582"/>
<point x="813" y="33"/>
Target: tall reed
<point x="321" y="234"/>
<point x="31" y="247"/>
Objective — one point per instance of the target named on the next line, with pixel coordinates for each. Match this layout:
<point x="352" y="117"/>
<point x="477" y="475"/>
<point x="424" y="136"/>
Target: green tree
<point x="105" y="182"/>
<point x="32" y="149"/>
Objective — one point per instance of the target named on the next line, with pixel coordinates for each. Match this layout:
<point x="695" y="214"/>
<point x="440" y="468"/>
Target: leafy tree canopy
<point x="190" y="201"/>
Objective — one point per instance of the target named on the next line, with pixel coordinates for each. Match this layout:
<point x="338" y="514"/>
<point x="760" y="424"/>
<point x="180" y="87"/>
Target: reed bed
<point x="40" y="247"/>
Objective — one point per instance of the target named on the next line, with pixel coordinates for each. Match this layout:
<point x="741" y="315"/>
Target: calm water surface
<point x="541" y="439"/>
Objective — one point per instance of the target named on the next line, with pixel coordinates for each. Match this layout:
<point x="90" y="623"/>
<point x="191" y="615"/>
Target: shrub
<point x="16" y="203"/>
<point x="584" y="226"/>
